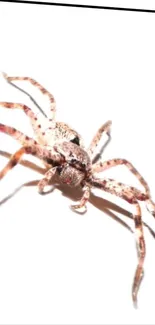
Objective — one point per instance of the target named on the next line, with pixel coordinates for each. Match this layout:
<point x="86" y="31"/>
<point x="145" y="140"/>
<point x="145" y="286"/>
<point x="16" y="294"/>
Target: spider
<point x="62" y="151"/>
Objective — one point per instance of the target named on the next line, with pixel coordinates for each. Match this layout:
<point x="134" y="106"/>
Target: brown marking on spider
<point x="61" y="149"/>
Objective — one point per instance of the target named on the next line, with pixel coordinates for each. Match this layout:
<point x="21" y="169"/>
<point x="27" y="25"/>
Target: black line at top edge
<point x="80" y="6"/>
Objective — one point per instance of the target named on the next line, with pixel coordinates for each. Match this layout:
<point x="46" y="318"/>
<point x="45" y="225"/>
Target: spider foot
<point x="3" y="75"/>
<point x="49" y="189"/>
<point x="135" y="288"/>
<point x="81" y="209"/>
<point x="135" y="304"/>
<point x="150" y="205"/>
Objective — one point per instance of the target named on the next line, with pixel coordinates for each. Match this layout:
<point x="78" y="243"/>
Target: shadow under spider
<point x="99" y="154"/>
<point x="74" y="194"/>
<point x="31" y="98"/>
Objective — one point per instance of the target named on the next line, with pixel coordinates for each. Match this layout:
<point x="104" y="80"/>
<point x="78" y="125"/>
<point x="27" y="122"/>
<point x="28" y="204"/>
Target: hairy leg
<point x="84" y="199"/>
<point x="35" y="150"/>
<point x="48" y="176"/>
<point x="23" y="139"/>
<point x="131" y="195"/>
<point x="41" y="88"/>
<point x="141" y="250"/>
<point x="104" y="128"/>
<point x="39" y="123"/>
<point x="126" y="192"/>
<point x="102" y="166"/>
<point x="17" y="135"/>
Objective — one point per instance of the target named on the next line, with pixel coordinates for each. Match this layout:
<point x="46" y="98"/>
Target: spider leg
<point x="39" y="123"/>
<point x="47" y="177"/>
<point x="41" y="88"/>
<point x="84" y="199"/>
<point x="150" y="205"/>
<point x="102" y="166"/>
<point x="35" y="150"/>
<point x="141" y="251"/>
<point x="20" y="137"/>
<point x="131" y="195"/>
<point x="104" y="128"/>
<point x="17" y="135"/>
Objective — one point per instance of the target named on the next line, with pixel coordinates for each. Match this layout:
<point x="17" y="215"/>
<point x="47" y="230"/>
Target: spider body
<point x="62" y="151"/>
<point x="58" y="132"/>
<point x="77" y="165"/>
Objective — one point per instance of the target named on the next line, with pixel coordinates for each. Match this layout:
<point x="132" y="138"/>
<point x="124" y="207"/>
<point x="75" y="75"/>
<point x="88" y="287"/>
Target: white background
<point x="58" y="267"/>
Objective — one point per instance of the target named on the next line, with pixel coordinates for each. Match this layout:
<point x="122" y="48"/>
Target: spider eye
<point x="76" y="140"/>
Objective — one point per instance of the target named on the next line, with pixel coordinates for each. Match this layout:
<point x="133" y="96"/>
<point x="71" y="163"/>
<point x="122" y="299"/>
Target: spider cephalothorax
<point x="61" y="149"/>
